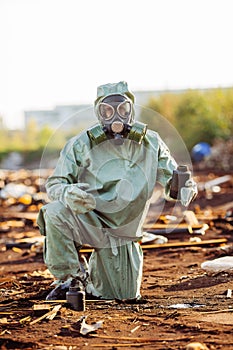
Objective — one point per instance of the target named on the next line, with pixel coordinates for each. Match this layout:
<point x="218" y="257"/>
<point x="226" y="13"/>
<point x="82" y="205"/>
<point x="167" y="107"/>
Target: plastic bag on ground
<point x="223" y="264"/>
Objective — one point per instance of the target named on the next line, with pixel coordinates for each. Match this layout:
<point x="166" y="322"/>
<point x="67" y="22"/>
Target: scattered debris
<point x="190" y="218"/>
<point x="86" y="328"/>
<point x="186" y="244"/>
<point x="49" y="315"/>
<point x="185" y="306"/>
<point x="221" y="157"/>
<point x="17" y="191"/>
<point x="135" y="329"/>
<point x="157" y="239"/>
<point x="40" y="309"/>
<point x="195" y="239"/>
<point x="217" y="311"/>
<point x="172" y="274"/>
<point x="214" y="182"/>
<point x="224" y="263"/>
<point x="138" y="339"/>
<point x="170" y="230"/>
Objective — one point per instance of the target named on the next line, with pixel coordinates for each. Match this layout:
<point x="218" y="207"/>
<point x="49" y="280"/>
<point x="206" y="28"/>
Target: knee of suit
<point x="51" y="212"/>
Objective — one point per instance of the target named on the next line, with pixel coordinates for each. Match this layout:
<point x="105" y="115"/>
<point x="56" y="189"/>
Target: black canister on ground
<point x="76" y="297"/>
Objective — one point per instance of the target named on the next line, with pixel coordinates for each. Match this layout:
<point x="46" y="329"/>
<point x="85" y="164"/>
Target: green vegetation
<point x="33" y="143"/>
<point x="198" y="116"/>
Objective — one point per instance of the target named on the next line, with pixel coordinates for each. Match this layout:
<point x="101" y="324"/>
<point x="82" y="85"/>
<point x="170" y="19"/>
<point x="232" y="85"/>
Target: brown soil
<point x="181" y="302"/>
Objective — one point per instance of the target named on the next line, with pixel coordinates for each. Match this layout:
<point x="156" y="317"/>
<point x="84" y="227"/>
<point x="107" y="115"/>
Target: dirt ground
<point x="181" y="303"/>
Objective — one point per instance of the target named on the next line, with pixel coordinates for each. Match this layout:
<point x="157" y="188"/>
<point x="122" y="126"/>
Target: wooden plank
<point x="139" y="339"/>
<point x="168" y="232"/>
<point x="185" y="244"/>
<point x="48" y="314"/>
<point x="169" y="227"/>
<point x="172" y="245"/>
<point x="19" y="215"/>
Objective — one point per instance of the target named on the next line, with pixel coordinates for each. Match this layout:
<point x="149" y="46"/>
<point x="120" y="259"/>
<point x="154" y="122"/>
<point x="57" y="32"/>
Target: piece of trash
<point x="229" y="293"/>
<point x="25" y="319"/>
<point x="40" y="309"/>
<point x="149" y="237"/>
<point x="25" y="199"/>
<point x="224" y="263"/>
<point x="171" y="217"/>
<point x="190" y="218"/>
<point x="170" y="229"/>
<point x="39" y="273"/>
<point x="16" y="191"/>
<point x="86" y="328"/>
<point x="183" y="277"/>
<point x="135" y="329"/>
<point x="49" y="315"/>
<point x="202" y="230"/>
<point x="3" y="320"/>
<point x="195" y="239"/>
<point x="184" y="306"/>
<point x="5" y="331"/>
<point x="53" y="313"/>
<point x="17" y="250"/>
<point x="216" y="189"/>
<point x="37" y="247"/>
<point x="214" y="182"/>
<point x="196" y="346"/>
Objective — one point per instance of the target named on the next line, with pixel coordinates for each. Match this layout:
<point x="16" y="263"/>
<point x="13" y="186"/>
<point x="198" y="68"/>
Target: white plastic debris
<point x="16" y="190"/>
<point x="223" y="264"/>
<point x="184" y="306"/>
<point x="195" y="239"/>
<point x="86" y="328"/>
<point x="157" y="239"/>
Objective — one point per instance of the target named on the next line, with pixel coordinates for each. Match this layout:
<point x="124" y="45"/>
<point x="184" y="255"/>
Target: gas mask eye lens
<point x="124" y="109"/>
<point x="106" y="111"/>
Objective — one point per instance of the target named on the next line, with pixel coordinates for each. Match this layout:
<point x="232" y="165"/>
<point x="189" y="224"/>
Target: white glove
<point x="188" y="193"/>
<point x="78" y="200"/>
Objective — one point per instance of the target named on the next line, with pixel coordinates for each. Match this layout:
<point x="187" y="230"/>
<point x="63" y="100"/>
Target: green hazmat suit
<point x="100" y="195"/>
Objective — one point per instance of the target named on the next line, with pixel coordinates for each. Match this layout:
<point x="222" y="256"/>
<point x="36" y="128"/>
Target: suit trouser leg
<point x="60" y="248"/>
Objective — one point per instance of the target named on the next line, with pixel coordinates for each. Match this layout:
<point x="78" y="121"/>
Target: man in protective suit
<point x="100" y="193"/>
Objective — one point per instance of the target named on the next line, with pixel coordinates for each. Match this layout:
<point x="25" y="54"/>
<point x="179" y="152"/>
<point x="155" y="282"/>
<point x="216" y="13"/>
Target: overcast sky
<point x="58" y="51"/>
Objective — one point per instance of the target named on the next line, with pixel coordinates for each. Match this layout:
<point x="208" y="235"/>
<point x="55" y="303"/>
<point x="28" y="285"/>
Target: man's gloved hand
<point x="77" y="199"/>
<point x="188" y="193"/>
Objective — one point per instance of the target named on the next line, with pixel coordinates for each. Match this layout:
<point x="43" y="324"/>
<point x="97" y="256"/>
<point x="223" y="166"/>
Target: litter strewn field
<point x="185" y="298"/>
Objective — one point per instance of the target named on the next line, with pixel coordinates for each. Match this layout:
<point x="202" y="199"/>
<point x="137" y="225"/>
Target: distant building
<point x="65" y="116"/>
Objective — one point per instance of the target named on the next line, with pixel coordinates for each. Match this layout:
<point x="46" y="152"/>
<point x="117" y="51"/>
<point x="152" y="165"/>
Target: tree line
<point x="197" y="115"/>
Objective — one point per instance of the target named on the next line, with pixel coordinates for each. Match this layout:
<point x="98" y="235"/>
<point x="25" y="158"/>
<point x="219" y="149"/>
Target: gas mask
<point x="115" y="113"/>
<point x="114" y="107"/>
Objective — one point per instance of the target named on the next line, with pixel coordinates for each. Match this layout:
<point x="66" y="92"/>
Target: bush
<point x="198" y="116"/>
